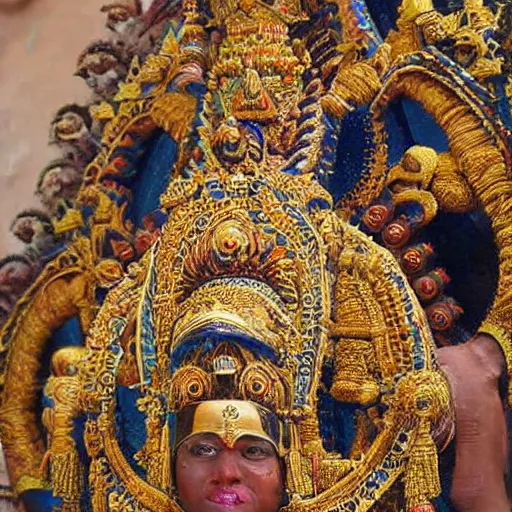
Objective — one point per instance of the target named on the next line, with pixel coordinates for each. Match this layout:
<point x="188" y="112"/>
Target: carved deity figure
<point x="282" y="279"/>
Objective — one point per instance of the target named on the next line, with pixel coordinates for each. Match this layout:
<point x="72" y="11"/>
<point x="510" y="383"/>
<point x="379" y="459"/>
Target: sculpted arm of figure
<point x="51" y="305"/>
<point x="356" y="84"/>
<point x="473" y="370"/>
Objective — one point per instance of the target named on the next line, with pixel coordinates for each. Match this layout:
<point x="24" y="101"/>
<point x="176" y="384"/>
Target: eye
<point x="257" y="452"/>
<point x="203" y="450"/>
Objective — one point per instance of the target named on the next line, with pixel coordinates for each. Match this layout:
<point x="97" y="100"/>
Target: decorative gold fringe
<point x="66" y="473"/>
<point x="422" y="481"/>
<point x="352" y="381"/>
<point x="166" y="483"/>
<point x="298" y="480"/>
<point x="174" y="113"/>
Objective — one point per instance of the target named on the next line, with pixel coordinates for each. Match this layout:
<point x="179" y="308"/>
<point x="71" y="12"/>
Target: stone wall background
<point x="39" y="46"/>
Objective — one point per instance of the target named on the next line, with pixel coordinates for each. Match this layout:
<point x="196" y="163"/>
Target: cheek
<point x="190" y="479"/>
<point x="123" y="26"/>
<point x="267" y="483"/>
<point x="108" y="77"/>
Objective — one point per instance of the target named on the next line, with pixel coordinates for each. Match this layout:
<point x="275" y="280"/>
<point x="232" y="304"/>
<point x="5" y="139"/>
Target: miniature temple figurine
<point x="102" y="66"/>
<point x="71" y="131"/>
<point x="122" y="17"/>
<point x="58" y="182"/>
<point x="285" y="282"/>
<point x="34" y="228"/>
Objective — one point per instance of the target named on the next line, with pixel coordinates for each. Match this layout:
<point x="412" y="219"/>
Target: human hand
<point x="473" y="371"/>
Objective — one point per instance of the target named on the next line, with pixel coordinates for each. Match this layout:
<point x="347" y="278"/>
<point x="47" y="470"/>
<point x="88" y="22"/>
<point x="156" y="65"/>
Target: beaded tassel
<point x="422" y="482"/>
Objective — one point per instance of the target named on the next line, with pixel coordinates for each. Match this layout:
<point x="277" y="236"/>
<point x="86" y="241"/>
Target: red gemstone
<point x="426" y="287"/>
<point x="376" y="216"/>
<point x="441" y="317"/>
<point x="230" y="244"/>
<point x="412" y="260"/>
<point x="396" y="234"/>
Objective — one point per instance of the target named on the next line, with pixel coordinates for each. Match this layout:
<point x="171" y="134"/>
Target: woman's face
<point x="210" y="477"/>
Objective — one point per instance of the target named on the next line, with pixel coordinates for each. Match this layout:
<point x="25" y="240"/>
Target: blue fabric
<point x="131" y="426"/>
<point x="337" y="420"/>
<point x="423" y="129"/>
<point x="69" y="334"/>
<point x="352" y="155"/>
<point x="398" y="132"/>
<point x="502" y="102"/>
<point x="155" y="170"/>
<point x="39" y="501"/>
<point x="383" y="14"/>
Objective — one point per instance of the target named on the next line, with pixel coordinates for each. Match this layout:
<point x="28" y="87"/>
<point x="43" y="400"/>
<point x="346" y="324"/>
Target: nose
<point x="227" y="469"/>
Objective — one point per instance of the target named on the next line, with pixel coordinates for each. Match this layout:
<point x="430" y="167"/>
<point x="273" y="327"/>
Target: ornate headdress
<point x="230" y="420"/>
<point x="253" y="290"/>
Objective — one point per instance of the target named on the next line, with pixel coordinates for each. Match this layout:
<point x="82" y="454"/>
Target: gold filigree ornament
<point x="223" y="315"/>
<point x="63" y="290"/>
<point x="255" y="291"/>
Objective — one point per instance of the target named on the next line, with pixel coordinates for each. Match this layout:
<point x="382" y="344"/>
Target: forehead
<point x="54" y="171"/>
<point x="228" y="420"/>
<point x="127" y="6"/>
<point x="96" y="55"/>
<point x="120" y="10"/>
<point x="68" y="114"/>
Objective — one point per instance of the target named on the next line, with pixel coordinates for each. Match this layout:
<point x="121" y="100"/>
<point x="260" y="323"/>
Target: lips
<point x="227" y="497"/>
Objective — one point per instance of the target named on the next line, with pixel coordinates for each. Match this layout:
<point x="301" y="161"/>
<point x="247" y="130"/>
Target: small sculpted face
<point x="211" y="477"/>
<point x="59" y="182"/>
<point x="69" y="126"/>
<point x="24" y="228"/>
<point x="101" y="70"/>
<point x="121" y="16"/>
<point x="51" y="183"/>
